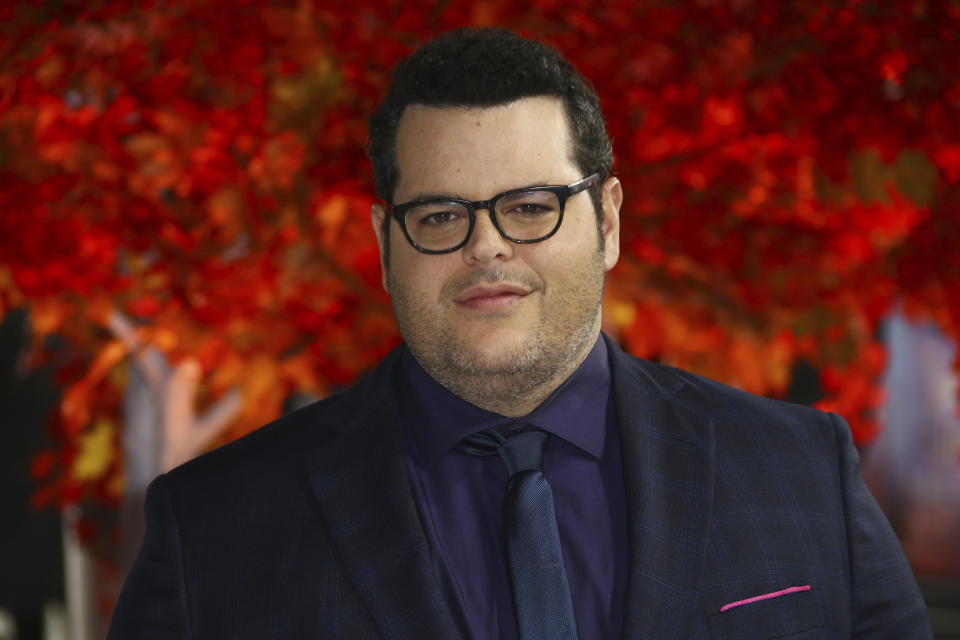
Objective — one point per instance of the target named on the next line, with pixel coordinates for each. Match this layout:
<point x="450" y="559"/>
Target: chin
<point x="493" y="339"/>
<point x="492" y="359"/>
<point x="498" y="351"/>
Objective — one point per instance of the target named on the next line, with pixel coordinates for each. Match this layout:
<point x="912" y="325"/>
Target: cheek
<point x="565" y="255"/>
<point x="575" y="272"/>
<point x="413" y="275"/>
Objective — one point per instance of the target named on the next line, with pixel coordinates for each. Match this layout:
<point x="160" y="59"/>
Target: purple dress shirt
<point x="459" y="496"/>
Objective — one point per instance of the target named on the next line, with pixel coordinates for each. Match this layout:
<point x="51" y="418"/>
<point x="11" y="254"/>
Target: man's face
<point x="496" y="318"/>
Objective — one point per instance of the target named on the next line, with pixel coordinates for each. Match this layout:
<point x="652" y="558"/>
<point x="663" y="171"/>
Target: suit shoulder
<point x="730" y="408"/>
<point x="728" y="400"/>
<point x="283" y="440"/>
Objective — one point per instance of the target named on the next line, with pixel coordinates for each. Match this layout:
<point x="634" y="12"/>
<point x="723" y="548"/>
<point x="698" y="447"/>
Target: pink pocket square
<point x="766" y="596"/>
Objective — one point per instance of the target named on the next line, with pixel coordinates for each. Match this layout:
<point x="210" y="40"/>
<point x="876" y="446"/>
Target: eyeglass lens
<point x="522" y="215"/>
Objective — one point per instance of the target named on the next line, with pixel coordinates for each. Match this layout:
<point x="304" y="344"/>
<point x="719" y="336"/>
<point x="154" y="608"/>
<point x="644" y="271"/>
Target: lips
<point x="491" y="296"/>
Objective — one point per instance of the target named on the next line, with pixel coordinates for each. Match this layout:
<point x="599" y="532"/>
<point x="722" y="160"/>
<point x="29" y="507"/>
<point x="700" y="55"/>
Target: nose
<point x="485" y="243"/>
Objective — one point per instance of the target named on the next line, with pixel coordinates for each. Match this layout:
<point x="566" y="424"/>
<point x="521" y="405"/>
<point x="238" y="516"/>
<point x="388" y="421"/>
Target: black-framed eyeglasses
<point x="524" y="216"/>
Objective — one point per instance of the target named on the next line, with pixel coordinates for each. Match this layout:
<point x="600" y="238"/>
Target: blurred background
<point x="185" y="250"/>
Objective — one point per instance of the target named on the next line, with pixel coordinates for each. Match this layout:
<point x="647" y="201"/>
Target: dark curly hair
<point x="483" y="68"/>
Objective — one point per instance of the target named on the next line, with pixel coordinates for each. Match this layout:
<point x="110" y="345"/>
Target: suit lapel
<point x="668" y="476"/>
<point x="361" y="483"/>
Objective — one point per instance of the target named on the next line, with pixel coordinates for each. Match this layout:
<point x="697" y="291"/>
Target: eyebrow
<point x="434" y="196"/>
<point x="456" y="196"/>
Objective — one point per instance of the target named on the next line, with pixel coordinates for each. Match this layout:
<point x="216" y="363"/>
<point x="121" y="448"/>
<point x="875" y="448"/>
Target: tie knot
<point x="523" y="451"/>
<point x="520" y="452"/>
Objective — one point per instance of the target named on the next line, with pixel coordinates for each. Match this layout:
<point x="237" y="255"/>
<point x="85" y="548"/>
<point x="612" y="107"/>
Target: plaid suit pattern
<point x="307" y="527"/>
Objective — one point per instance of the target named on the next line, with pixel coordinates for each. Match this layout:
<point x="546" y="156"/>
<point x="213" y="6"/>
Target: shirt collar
<point x="437" y="419"/>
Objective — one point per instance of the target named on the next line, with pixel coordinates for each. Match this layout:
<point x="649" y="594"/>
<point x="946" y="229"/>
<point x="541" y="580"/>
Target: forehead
<point x="475" y="152"/>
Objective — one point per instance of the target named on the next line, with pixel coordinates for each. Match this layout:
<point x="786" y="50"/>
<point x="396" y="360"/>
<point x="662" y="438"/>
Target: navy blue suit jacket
<point x="307" y="528"/>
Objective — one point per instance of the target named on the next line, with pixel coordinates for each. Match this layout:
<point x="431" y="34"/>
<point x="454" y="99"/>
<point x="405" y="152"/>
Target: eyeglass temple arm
<point x="585" y="183"/>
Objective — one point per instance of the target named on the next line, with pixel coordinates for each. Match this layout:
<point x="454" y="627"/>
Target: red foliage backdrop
<point x="791" y="173"/>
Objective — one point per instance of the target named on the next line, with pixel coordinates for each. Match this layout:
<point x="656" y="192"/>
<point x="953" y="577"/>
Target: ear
<point x="612" y="198"/>
<point x="377" y="215"/>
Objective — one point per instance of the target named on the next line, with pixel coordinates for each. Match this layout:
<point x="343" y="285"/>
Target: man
<point x="640" y="502"/>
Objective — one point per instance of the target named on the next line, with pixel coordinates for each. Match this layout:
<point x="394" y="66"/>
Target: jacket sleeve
<point x="152" y="604"/>
<point x="885" y="598"/>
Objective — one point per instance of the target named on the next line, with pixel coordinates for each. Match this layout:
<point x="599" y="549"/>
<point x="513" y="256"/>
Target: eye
<point x="529" y="209"/>
<point x="436" y="215"/>
<point x="528" y="206"/>
<point x="439" y="218"/>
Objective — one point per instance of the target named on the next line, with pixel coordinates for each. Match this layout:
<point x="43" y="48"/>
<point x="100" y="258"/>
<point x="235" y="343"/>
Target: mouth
<point x="491" y="297"/>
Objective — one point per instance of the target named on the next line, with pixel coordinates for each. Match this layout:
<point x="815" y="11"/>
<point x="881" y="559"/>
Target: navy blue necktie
<point x="541" y="593"/>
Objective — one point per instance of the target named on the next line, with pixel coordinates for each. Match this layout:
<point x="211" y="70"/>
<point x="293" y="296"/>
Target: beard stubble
<point x="566" y="326"/>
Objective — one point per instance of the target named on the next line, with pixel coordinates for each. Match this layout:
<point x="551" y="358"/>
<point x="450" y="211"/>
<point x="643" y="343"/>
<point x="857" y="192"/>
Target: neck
<point x="517" y="390"/>
<point x="522" y="403"/>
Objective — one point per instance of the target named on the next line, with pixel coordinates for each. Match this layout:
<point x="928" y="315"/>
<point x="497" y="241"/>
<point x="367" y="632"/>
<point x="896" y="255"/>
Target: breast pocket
<point x="774" y="617"/>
